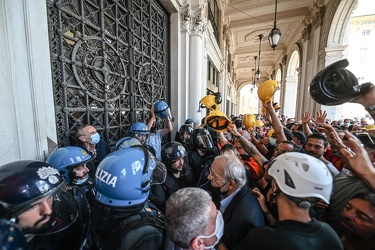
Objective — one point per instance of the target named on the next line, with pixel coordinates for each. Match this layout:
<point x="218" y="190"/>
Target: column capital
<point x="186" y="16"/>
<point x="199" y="20"/>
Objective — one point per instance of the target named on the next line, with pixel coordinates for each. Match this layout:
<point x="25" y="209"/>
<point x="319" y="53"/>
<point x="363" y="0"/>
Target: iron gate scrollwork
<point x="109" y="63"/>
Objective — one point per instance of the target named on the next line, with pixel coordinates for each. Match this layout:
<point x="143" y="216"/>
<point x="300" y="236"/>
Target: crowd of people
<point x="264" y="182"/>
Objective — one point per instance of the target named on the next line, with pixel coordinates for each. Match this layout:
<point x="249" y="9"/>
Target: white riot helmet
<point x="301" y="176"/>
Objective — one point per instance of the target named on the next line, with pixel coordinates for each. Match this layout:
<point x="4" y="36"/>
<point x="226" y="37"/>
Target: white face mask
<point x="219" y="230"/>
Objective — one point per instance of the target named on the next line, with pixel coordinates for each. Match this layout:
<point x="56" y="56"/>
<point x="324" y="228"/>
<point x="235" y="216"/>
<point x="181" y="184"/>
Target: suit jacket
<point x="242" y="214"/>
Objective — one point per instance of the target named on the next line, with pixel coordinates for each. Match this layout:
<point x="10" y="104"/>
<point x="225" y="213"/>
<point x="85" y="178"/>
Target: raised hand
<point x="321" y="116"/>
<point x="306" y="117"/>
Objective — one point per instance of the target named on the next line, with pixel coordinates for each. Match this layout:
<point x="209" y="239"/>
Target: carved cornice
<point x="313" y="21"/>
<point x="306" y="30"/>
<point x="226" y="34"/>
<point x="317" y="15"/>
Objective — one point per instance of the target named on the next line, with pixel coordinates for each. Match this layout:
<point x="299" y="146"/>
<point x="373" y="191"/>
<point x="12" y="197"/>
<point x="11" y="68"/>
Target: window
<point x="229" y="61"/>
<point x="213" y="16"/>
<point x="366" y="22"/>
<point x="366" y="32"/>
<point x="212" y="73"/>
<point x="363" y="55"/>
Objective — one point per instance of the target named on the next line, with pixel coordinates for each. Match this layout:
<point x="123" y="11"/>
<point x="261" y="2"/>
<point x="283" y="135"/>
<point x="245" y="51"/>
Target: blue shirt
<point x="225" y="202"/>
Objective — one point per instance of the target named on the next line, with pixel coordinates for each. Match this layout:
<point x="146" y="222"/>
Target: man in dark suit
<point x="239" y="206"/>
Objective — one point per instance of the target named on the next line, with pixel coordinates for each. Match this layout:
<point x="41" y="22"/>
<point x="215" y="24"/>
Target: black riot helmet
<point x="202" y="139"/>
<point x="186" y="132"/>
<point x="336" y="85"/>
<point x="24" y="184"/>
<point x="172" y="151"/>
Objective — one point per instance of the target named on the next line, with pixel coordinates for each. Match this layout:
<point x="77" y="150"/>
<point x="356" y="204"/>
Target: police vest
<point x="150" y="218"/>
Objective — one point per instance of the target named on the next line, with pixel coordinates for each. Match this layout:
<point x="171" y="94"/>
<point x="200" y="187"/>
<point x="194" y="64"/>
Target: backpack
<point x="150" y="221"/>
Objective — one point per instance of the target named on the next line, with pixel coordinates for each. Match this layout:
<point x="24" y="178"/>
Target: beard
<point x="37" y="226"/>
<point x="313" y="154"/>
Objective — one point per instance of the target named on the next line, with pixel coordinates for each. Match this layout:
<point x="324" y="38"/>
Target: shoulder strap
<point x="149" y="216"/>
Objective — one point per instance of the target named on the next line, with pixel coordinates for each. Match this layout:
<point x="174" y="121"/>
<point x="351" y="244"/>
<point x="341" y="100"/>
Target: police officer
<point x="179" y="174"/>
<point x="122" y="217"/>
<point x="185" y="137"/>
<point x="35" y="197"/>
<point x="141" y="132"/>
<point x="201" y="157"/>
<point x="71" y="162"/>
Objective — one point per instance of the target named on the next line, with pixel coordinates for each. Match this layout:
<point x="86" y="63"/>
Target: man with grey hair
<point x="239" y="206"/>
<point x="192" y="220"/>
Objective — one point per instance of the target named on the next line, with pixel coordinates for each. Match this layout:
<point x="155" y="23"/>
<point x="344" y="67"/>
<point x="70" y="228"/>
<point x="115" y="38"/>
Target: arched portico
<point x="291" y="84"/>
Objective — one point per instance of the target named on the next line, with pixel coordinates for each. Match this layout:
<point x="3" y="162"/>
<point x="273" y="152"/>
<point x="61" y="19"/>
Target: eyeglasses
<point x="213" y="175"/>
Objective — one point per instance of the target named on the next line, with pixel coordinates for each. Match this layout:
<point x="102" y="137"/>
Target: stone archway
<point x="291" y="84"/>
<point x="337" y="42"/>
<point x="249" y="101"/>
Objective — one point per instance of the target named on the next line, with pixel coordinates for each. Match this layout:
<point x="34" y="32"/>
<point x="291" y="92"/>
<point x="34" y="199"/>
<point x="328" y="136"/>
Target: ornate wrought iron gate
<point x="109" y="63"/>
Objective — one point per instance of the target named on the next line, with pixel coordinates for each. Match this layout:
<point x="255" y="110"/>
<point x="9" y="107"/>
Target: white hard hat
<point x="302" y="176"/>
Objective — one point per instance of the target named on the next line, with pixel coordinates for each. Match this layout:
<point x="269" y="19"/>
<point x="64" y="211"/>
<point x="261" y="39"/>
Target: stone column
<point x="333" y="54"/>
<point x="197" y="85"/>
<point x="290" y="96"/>
<point x="181" y="93"/>
<point x="27" y="108"/>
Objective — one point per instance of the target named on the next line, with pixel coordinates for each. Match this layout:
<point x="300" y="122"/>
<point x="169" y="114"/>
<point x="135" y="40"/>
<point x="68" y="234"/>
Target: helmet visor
<point x="204" y="142"/>
<point x="185" y="133"/>
<point x="59" y="212"/>
<point x="159" y="171"/>
<point x="166" y="114"/>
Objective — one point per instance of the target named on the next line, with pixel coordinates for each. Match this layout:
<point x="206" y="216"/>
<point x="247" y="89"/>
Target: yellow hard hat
<point x="211" y="101"/>
<point x="259" y="123"/>
<point x="276" y="106"/>
<point x="370" y="127"/>
<point x="218" y="121"/>
<point x="267" y="89"/>
<point x="249" y="121"/>
<point x="270" y="133"/>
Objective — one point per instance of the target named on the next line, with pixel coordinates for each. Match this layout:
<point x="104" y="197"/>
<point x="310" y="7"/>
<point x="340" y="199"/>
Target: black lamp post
<point x="255" y="67"/>
<point x="252" y="88"/>
<point x="275" y="35"/>
<point x="258" y="73"/>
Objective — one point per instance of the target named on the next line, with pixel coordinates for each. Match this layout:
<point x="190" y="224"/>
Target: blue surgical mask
<point x="95" y="138"/>
<point x="219" y="231"/>
<point x="80" y="181"/>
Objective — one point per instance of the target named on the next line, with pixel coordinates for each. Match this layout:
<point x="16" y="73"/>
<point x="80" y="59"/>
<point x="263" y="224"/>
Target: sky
<point x="365" y="7"/>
